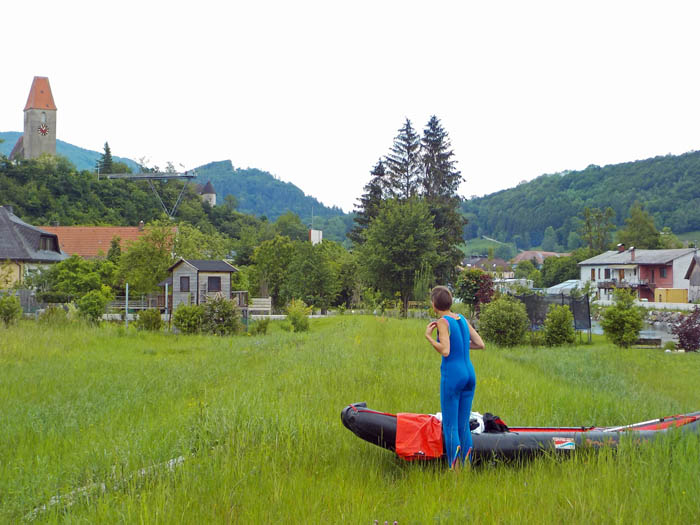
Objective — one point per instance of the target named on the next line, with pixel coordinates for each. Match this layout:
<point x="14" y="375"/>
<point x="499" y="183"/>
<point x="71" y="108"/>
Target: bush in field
<point x="297" y="313"/>
<point x="259" y="327"/>
<point x="149" y="320"/>
<point x="688" y="331"/>
<point x="54" y="315"/>
<point x="94" y="303"/>
<point x="188" y="318"/>
<point x="10" y="309"/>
<point x="622" y="322"/>
<point x="475" y="288"/>
<point x="559" y="326"/>
<point x="220" y="317"/>
<point x="504" y="321"/>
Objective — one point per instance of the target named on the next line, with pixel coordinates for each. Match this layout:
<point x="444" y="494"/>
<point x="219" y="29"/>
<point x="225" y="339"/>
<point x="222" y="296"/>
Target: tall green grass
<point x="257" y="421"/>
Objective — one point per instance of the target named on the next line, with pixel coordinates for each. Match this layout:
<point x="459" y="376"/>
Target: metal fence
<point x="537" y="307"/>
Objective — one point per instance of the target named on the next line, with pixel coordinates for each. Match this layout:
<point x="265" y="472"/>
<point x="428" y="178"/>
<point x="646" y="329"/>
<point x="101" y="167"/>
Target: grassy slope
<point x="257" y="419"/>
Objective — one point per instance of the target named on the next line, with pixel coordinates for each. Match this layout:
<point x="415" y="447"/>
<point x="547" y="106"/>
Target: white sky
<point x="315" y="91"/>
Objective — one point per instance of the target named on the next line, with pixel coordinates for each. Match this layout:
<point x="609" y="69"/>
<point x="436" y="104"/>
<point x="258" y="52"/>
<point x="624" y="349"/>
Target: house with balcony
<point x="649" y="273"/>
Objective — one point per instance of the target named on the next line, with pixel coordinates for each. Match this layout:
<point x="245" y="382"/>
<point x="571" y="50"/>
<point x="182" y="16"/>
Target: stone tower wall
<point x="34" y="142"/>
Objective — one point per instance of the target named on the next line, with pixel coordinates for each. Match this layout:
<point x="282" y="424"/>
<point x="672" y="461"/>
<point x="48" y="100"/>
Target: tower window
<point x="43" y="117"/>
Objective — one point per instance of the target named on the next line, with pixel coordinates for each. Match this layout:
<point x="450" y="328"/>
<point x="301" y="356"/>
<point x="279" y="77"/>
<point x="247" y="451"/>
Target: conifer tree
<point x="106" y="160"/>
<point x="439" y="182"/>
<point x="403" y="163"/>
<point x="370" y="201"/>
<point x="440" y="177"/>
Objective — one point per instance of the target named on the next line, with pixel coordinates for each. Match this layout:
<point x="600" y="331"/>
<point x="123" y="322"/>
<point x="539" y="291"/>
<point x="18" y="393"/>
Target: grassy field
<point x="94" y="415"/>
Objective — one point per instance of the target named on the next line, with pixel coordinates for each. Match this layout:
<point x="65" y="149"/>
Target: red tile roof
<point x="40" y="96"/>
<point x="89" y="241"/>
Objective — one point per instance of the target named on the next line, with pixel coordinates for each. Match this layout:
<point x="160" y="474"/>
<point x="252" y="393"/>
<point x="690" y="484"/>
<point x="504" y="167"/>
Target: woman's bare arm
<point x="476" y="342"/>
<point x="443" y="345"/>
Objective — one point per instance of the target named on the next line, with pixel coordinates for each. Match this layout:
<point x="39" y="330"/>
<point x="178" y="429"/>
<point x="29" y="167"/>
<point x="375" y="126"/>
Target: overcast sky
<point x="315" y="92"/>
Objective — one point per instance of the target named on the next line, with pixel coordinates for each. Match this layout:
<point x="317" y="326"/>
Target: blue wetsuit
<point x="457" y="385"/>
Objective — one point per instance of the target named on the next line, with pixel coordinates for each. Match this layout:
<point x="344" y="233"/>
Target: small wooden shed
<point x="195" y="280"/>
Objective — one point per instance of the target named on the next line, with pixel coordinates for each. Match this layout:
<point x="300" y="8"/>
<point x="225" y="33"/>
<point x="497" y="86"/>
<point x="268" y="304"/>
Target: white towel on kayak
<point x="474" y="416"/>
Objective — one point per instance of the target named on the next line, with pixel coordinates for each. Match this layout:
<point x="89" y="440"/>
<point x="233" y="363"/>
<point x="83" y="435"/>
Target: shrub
<point x="54" y="315"/>
<point x="220" y="317"/>
<point x="670" y="345"/>
<point x="559" y="326"/>
<point x="504" y="321"/>
<point x="475" y="288"/>
<point x="10" y="309"/>
<point x="188" y="318"/>
<point x="622" y="322"/>
<point x="259" y="327"/>
<point x="688" y="331"/>
<point x="53" y="297"/>
<point x="536" y="338"/>
<point x="149" y="320"/>
<point x="93" y="304"/>
<point x="297" y="313"/>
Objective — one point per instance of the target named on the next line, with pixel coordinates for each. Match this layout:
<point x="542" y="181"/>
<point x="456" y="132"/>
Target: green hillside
<point x="82" y="159"/>
<point x="668" y="187"/>
<point x="260" y="193"/>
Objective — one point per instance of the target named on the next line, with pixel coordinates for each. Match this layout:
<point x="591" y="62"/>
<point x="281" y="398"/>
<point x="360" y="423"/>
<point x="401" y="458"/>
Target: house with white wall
<point x="646" y="272"/>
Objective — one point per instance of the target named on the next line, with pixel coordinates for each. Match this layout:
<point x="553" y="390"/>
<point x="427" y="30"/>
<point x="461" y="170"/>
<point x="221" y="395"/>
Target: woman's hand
<point x="432" y="325"/>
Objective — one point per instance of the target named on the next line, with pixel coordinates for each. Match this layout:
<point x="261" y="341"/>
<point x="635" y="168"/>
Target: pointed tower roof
<point x="208" y="188"/>
<point x="40" y="96"/>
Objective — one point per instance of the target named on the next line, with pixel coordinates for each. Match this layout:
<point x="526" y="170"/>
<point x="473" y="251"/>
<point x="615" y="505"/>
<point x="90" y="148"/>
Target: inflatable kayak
<point x="419" y="436"/>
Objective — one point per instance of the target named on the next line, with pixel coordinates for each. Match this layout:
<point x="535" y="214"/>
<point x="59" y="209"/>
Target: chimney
<point x="620" y="248"/>
<point x="632" y="253"/>
<point x="141" y="225"/>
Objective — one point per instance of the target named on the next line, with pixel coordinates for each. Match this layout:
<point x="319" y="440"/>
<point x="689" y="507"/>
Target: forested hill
<point x="259" y="193"/>
<point x="82" y="159"/>
<point x="668" y="187"/>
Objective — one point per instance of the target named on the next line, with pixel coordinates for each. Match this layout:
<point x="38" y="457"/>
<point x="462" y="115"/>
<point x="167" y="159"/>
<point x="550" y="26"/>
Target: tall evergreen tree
<point x="439" y="182"/>
<point x="370" y="201"/>
<point x="440" y="178"/>
<point x="106" y="160"/>
<point x="403" y="163"/>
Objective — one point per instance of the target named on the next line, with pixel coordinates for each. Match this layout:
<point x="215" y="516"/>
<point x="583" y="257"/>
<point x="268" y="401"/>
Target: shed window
<point x="662" y="272"/>
<point x="214" y="284"/>
<point x="184" y="284"/>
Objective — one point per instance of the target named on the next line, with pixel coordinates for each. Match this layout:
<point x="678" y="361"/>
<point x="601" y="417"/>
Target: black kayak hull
<point x="379" y="428"/>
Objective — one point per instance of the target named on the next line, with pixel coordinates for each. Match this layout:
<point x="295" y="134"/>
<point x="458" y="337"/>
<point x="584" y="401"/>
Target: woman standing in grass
<point x="458" y="380"/>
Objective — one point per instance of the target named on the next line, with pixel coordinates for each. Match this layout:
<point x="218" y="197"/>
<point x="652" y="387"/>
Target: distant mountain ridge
<point x="259" y="193"/>
<point x="82" y="159"/>
<point x="668" y="187"/>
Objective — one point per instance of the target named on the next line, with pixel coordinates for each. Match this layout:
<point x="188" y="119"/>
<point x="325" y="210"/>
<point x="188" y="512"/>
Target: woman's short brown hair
<point x="441" y="298"/>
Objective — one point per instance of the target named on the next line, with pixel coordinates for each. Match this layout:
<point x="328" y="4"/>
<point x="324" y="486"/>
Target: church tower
<point x="39" y="120"/>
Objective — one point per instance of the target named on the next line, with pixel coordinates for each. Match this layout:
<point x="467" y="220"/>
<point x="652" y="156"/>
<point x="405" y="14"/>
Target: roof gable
<point x="22" y="241"/>
<point x="206" y="265"/>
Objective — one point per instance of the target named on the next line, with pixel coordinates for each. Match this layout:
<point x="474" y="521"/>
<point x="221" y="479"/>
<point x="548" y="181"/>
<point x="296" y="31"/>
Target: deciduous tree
<point x="398" y="243"/>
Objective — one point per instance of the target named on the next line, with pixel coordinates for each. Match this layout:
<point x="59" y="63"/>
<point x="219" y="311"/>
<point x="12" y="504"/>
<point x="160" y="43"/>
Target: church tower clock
<point x="39" y="120"/>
